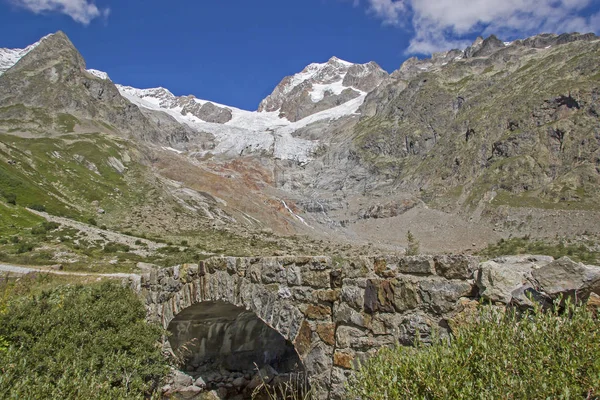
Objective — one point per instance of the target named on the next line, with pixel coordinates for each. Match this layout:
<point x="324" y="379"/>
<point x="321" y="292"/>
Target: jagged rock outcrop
<point x="204" y="110"/>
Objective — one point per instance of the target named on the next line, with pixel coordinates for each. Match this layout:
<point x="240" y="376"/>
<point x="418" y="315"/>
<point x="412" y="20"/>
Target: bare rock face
<point x="302" y="106"/>
<point x="364" y="77"/>
<point x="322" y="86"/>
<point x="415" y="66"/>
<point x="488" y="46"/>
<point x="208" y="112"/>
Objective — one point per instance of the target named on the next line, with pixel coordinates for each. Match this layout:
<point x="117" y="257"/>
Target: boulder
<point x="181" y="381"/>
<point x="565" y="277"/>
<point x="264" y="375"/>
<point x="239" y="383"/>
<point x="212" y="395"/>
<point x="497" y="280"/>
<point x="190" y="392"/>
<point x="200" y="382"/>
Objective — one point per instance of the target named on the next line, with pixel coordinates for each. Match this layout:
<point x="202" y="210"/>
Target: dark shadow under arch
<point x="216" y="339"/>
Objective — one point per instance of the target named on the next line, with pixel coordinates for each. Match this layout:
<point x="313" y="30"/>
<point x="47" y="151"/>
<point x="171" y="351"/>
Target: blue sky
<point x="236" y="51"/>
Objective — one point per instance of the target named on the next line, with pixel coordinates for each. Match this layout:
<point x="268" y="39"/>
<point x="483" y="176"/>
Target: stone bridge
<point x="329" y="314"/>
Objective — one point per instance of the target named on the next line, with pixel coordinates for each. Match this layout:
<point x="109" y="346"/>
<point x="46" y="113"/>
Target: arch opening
<point x="226" y="346"/>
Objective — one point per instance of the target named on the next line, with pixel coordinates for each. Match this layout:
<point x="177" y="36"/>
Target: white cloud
<point x="443" y="24"/>
<point x="388" y="10"/>
<point x="82" y="11"/>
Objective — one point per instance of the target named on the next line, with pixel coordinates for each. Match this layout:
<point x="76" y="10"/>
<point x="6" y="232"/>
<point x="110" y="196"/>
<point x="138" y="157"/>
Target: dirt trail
<point x="17" y="269"/>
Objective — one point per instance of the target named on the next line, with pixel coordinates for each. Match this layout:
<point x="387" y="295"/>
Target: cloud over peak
<point x="443" y="24"/>
<point x="82" y="11"/>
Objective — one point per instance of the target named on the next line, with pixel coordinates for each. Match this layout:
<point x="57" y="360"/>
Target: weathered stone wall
<point x="333" y="313"/>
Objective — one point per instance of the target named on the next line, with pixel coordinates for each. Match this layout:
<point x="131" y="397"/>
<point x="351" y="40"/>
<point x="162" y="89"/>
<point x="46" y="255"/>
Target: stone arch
<point x="277" y="290"/>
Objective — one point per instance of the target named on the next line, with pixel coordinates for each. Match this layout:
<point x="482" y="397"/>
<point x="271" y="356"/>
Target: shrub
<point x="538" y="355"/>
<point x="44" y="228"/>
<point x="79" y="342"/>
<point x="25" y="247"/>
<point x="412" y="249"/>
<point x="92" y="221"/>
<point x="50" y="225"/>
<point x="38" y="207"/>
<point x="525" y="245"/>
<point x="112" y="247"/>
<point x="11" y="198"/>
<point x="38" y="230"/>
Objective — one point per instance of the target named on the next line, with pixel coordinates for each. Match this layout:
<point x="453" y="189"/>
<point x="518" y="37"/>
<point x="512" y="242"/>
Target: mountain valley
<point x="464" y="149"/>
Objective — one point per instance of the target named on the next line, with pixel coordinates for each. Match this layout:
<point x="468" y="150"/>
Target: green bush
<point x="112" y="247"/>
<point x="78" y="342"/>
<point x="38" y="207"/>
<point x="538" y="355"/>
<point x="525" y="245"/>
<point x="11" y="198"/>
<point x="25" y="247"/>
<point x="44" y="227"/>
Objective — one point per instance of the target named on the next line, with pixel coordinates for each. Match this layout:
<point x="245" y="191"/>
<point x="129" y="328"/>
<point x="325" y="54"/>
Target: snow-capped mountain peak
<point x="320" y="86"/>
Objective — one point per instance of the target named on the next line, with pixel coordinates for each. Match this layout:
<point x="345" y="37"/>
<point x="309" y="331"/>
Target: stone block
<point x="343" y="314"/>
<point x="317" y="311"/>
<point x="496" y="281"/>
<point x="303" y="340"/>
<point x="272" y="271"/>
<point x="456" y="266"/>
<point x="360" y="267"/>
<point x="327" y="295"/>
<point x="353" y="296"/>
<point x="348" y="336"/>
<point x="379" y="296"/>
<point x="565" y="277"/>
<point x="327" y="333"/>
<point x="416" y="265"/>
<point x="316" y="279"/>
<point x="441" y="295"/>
<point x="343" y="359"/>
<point x="405" y="295"/>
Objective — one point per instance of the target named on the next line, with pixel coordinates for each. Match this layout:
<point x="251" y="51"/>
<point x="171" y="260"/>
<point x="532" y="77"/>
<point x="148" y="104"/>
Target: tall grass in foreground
<point x="536" y="355"/>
